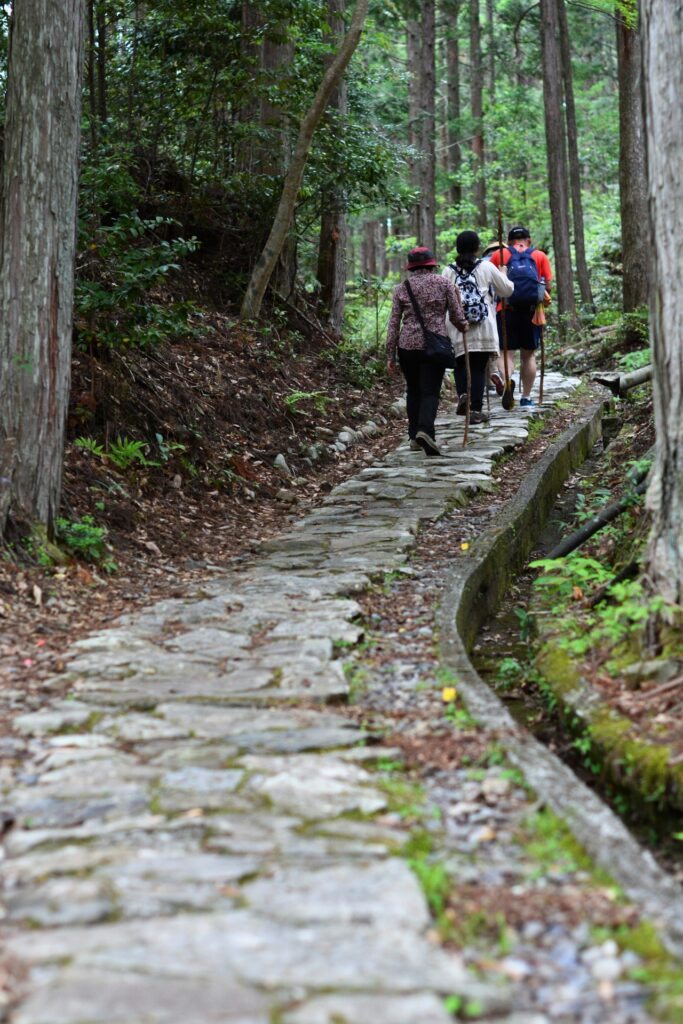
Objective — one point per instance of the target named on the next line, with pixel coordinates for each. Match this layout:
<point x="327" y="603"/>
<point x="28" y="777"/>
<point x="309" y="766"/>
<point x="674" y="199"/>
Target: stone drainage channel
<point x="199" y="836"/>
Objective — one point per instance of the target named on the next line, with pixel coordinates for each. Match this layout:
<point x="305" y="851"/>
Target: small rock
<point x="494" y="787"/>
<point x="280" y="463"/>
<point x="287" y="496"/>
<point x="177" y="481"/>
<point x="606" y="969"/>
<point x="371" y="429"/>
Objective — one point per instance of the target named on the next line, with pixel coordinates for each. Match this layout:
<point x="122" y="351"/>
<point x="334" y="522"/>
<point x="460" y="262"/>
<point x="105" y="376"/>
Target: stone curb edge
<point x="473" y="590"/>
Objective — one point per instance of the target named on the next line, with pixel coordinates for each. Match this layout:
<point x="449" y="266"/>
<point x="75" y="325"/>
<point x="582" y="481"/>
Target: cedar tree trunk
<point x="662" y="42"/>
<point x="632" y="172"/>
<point x="37" y="248"/>
<point x="557" y="165"/>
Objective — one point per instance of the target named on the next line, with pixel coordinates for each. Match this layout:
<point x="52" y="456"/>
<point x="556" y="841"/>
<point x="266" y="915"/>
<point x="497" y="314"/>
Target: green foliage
<point x="89" y="444"/>
<point x="126" y="261"/>
<point x="318" y="398"/>
<point x="609" y="623"/>
<point x="124" y="453"/>
<point x="509" y="671"/>
<point x="85" y="540"/>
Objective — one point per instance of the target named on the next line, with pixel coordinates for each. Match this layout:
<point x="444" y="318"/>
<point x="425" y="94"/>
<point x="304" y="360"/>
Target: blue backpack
<point x="523" y="273"/>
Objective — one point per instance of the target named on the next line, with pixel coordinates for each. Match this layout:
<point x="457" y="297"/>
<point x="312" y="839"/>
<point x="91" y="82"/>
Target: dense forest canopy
<point x="191" y="108"/>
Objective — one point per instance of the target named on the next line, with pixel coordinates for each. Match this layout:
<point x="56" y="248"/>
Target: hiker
<point x="479" y="283"/>
<point x="530" y="272"/>
<point x="435" y="297"/>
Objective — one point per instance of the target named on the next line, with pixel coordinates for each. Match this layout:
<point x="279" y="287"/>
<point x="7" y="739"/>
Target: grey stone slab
<point x="358" y="893"/>
<point x="421" y="1008"/>
<point x="313" y="786"/>
<point x="137" y="728"/>
<point x="190" y="787"/>
<point x="61" y="715"/>
<point x="241" y="946"/>
<point x="190" y="753"/>
<point x="81" y="996"/>
<point x="213" y="642"/>
<point x="146" y="692"/>
<point x="61" y="901"/>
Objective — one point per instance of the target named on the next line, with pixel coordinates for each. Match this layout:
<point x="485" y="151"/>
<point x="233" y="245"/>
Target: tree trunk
<point x="477" y="110"/>
<point x="426" y="210"/>
<point x="557" y="166"/>
<point x="632" y="170"/>
<point x="414" y="52"/>
<point x="248" y="108"/>
<point x="662" y="70"/>
<point x="454" y="155"/>
<point x="382" y="262"/>
<point x="90" y="65"/>
<point x="271" y="153"/>
<point x="574" y="163"/>
<point x="491" y="51"/>
<point x="37" y="246"/>
<point x="260" y="278"/>
<point x="370" y="249"/>
<point x="101" y="62"/>
<point x="333" y="227"/>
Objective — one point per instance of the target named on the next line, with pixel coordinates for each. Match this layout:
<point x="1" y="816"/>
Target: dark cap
<point x="421" y="257"/>
<point x="467" y="242"/>
<point x="518" y="232"/>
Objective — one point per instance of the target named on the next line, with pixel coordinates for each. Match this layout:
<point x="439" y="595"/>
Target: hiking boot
<point x="461" y="407"/>
<point x="414" y="445"/>
<point x="479" y="417"/>
<point x="498" y="382"/>
<point x="527" y="402"/>
<point x="427" y="444"/>
<point x="509" y="395"/>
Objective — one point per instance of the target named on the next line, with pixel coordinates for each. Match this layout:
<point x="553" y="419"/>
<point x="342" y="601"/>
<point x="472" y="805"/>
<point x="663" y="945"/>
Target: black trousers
<point x="423" y="387"/>
<point x="478" y="362"/>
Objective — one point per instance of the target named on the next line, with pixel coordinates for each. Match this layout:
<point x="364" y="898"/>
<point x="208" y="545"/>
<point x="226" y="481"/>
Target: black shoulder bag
<point x="438" y="347"/>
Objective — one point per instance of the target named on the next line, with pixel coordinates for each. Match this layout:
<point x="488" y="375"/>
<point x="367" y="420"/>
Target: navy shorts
<point x="521" y="333"/>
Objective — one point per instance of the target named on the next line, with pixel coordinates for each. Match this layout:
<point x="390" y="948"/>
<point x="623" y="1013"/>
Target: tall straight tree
<point x="477" y="111"/>
<point x="267" y="261"/>
<point x="454" y="155"/>
<point x="333" y="227"/>
<point x="662" y="42"/>
<point x="558" y="185"/>
<point x="426" y="207"/>
<point x="37" y="248"/>
<point x="632" y="171"/>
<point x="575" y="176"/>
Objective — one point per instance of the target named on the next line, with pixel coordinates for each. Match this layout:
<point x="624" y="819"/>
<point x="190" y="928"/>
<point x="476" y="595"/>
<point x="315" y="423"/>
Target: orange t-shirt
<point x="540" y="259"/>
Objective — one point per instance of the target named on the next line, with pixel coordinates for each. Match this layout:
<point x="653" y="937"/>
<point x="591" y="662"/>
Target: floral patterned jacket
<point x="436" y="297"/>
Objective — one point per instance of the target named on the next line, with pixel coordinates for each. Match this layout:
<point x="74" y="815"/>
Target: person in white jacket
<point x="480" y="284"/>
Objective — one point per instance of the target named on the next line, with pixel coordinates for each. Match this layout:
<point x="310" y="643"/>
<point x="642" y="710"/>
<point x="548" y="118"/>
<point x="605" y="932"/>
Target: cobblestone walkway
<point x="200" y="836"/>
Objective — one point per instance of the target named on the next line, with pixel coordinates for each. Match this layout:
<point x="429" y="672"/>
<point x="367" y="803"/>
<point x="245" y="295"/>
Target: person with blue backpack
<point x="479" y="283"/>
<point x="530" y="271"/>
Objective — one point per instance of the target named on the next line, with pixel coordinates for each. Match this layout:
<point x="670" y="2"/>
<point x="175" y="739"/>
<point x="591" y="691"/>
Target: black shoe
<point x="479" y="417"/>
<point x="509" y="395"/>
<point x="428" y="444"/>
<point x="461" y="407"/>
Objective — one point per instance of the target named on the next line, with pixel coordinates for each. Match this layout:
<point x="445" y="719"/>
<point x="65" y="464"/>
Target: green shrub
<point x="84" y="539"/>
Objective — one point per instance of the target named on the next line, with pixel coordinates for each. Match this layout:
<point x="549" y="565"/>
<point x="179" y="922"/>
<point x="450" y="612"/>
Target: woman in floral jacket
<point x="435" y="297"/>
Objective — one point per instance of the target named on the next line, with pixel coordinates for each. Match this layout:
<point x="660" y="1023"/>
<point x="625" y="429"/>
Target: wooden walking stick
<point x="508" y="397"/>
<point x="540" y="390"/>
<point x="468" y="371"/>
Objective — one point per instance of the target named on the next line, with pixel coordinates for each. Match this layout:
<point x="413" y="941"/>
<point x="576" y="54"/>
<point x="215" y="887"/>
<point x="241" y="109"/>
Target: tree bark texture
<point x="262" y="272"/>
<point x="477" y="111"/>
<point x="662" y="50"/>
<point x="575" y="176"/>
<point x="632" y="171"/>
<point x="37" y="247"/>
<point x="426" y="209"/>
<point x="413" y="53"/>
<point x="454" y="154"/>
<point x="333" y="227"/>
<point x="557" y="165"/>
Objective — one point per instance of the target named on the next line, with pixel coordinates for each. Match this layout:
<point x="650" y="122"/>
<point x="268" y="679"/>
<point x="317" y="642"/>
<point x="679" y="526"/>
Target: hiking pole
<point x="468" y="372"/>
<point x="540" y="390"/>
<point x="508" y="399"/>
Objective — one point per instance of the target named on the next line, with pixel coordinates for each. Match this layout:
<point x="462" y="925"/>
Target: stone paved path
<point x="200" y="835"/>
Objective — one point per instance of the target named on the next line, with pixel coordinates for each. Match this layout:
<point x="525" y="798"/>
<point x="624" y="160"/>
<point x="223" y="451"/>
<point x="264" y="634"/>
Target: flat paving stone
<point x="422" y="1008"/>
